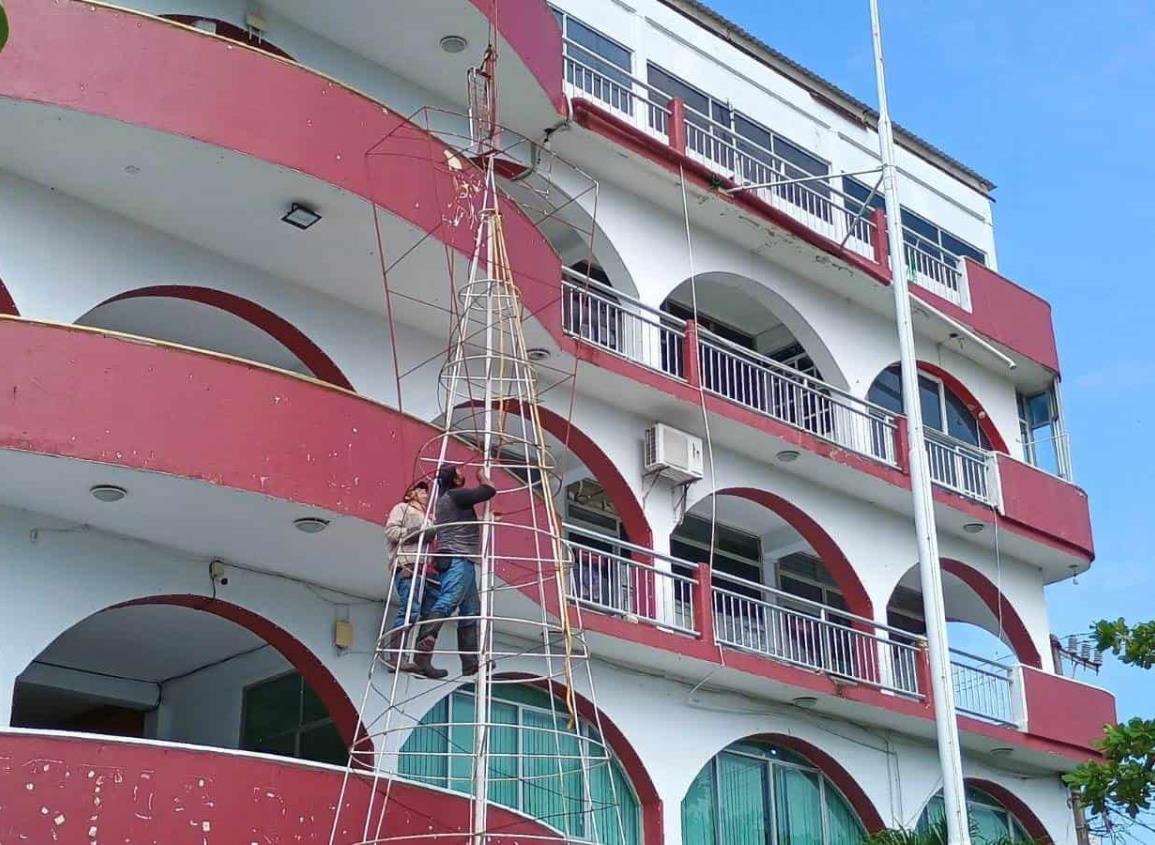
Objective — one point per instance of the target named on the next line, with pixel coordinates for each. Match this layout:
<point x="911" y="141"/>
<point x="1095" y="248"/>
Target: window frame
<point x="301" y="726"/>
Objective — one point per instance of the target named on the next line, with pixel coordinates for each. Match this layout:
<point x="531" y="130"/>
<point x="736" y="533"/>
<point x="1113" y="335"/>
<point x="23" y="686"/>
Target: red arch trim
<point x="280" y="329"/>
<point x="337" y="703"/>
<point x="986" y="424"/>
<point x="7" y="304"/>
<point x="867" y="812"/>
<point x="1017" y="808"/>
<point x="857" y="599"/>
<point x="1013" y="626"/>
<point x="653" y="829"/>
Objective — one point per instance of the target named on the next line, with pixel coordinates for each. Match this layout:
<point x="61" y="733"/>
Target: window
<point x="756" y="793"/>
<point x="739" y="143"/>
<point x="918" y="232"/>
<point x="677" y="309"/>
<point x="596" y="64"/>
<point x="990" y="820"/>
<point x="284" y="716"/>
<point x="942" y="410"/>
<point x="735" y="551"/>
<point x="536" y="764"/>
<point x="1044" y="444"/>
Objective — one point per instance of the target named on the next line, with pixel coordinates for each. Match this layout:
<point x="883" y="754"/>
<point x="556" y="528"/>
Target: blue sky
<point x="1054" y="102"/>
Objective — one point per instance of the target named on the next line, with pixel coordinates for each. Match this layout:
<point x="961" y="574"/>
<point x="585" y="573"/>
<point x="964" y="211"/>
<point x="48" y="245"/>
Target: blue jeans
<point x="402" y="585"/>
<point x="458" y="592"/>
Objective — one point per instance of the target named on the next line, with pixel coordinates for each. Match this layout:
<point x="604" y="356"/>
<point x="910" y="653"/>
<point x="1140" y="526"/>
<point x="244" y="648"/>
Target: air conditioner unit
<point x="673" y="454"/>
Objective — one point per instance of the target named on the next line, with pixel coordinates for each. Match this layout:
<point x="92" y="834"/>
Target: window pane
<point x="798" y="806"/>
<point x="541" y="787"/>
<point x="742" y="805"/>
<point x="953" y="244"/>
<point x="271" y="708"/>
<point x="284" y="745"/>
<point x="612" y="800"/>
<point x="461" y="744"/>
<point x="845" y="829"/>
<point x="323" y="744"/>
<point x="423" y="757"/>
<point x="751" y="131"/>
<point x="675" y="87"/>
<point x="928" y="391"/>
<point x="312" y="710"/>
<point x="961" y="423"/>
<point x="503" y="763"/>
<point x="920" y="226"/>
<point x="887" y="390"/>
<point x="799" y="157"/>
<point x="989" y="825"/>
<point x="599" y="44"/>
<point x="698" y="809"/>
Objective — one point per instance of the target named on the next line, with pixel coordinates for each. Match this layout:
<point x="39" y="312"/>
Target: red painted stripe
<point x="530" y="28"/>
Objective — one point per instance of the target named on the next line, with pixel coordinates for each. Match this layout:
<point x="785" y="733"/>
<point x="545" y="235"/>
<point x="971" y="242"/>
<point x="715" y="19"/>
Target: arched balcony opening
<point x="188" y="669"/>
<point x="960" y="435"/>
<point x="213" y="320"/>
<point x="994" y="812"/>
<point x="776" y="788"/>
<point x="986" y="633"/>
<point x="573" y="777"/>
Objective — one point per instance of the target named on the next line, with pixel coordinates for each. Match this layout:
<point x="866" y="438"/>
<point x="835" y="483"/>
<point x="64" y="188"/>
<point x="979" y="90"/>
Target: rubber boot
<point x="467" y="646"/>
<point x="393" y="649"/>
<point x="422" y="662"/>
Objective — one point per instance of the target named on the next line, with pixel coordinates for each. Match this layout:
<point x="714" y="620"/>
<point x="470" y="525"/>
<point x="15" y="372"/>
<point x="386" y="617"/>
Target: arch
<point x="1016" y="806"/>
<point x="280" y="329"/>
<point x="337" y="702"/>
<point x="7" y="303"/>
<point x="841" y="570"/>
<point x="627" y="505"/>
<point x="649" y="800"/>
<point x="1013" y="627"/>
<point x="781" y="308"/>
<point x="955" y="386"/>
<point x="825" y="763"/>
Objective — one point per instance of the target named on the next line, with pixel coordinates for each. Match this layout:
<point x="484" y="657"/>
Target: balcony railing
<point x="961" y="467"/>
<point x="814" y="202"/>
<point x="804" y="633"/>
<point x="982" y="688"/>
<point x="783" y="393"/>
<point x="619" y="578"/>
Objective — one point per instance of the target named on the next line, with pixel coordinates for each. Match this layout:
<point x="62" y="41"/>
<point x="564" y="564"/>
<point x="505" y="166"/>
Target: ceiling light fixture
<point x="107" y="492"/>
<point x="1002" y="752"/>
<point x="310" y="524"/>
<point x="301" y="216"/>
<point x="453" y="43"/>
<point x="974" y="527"/>
<point x="537" y="353"/>
<point x="788" y="456"/>
<point x="806" y="702"/>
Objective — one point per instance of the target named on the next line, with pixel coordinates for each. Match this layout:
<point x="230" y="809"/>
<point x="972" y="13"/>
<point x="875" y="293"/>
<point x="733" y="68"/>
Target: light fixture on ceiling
<point x="787" y="456"/>
<point x="453" y="43"/>
<point x="806" y="702"/>
<point x="301" y="216"/>
<point x="1002" y="752"/>
<point x="107" y="492"/>
<point x="974" y="527"/>
<point x="131" y="169"/>
<point x="537" y="353"/>
<point x="310" y="524"/>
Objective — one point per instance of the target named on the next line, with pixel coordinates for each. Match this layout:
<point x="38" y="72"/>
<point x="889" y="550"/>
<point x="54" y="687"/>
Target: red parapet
<point x="1064" y="710"/>
<point x="677" y="128"/>
<point x="704" y="603"/>
<point x="1042" y="503"/>
<point x="691" y="362"/>
<point x="878" y="239"/>
<point x="83" y="789"/>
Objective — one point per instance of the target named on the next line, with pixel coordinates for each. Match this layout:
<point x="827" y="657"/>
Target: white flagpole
<point x="942" y="688"/>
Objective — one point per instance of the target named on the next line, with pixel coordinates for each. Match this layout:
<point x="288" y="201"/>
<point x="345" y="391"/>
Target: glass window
<point x="284" y="716"/>
<point x="596" y="63"/>
<point x="1041" y="429"/>
<point x="536" y="764"/>
<point x="990" y="821"/>
<point x="753" y="794"/>
<point x="942" y="410"/>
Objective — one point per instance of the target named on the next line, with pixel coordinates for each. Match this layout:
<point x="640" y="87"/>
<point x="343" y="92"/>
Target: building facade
<point x="230" y="235"/>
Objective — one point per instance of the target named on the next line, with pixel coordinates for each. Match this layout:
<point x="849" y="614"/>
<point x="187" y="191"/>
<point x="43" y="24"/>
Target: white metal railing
<point x="628" y="97"/>
<point x="783" y="393"/>
<point x="793" y="630"/>
<point x="617" y="577"/>
<point x="982" y="688"/>
<point x="621" y="324"/>
<point x="961" y="467"/>
<point x="934" y="268"/>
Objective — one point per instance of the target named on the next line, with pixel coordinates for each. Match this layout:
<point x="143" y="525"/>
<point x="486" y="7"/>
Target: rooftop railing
<point x="809" y="198"/>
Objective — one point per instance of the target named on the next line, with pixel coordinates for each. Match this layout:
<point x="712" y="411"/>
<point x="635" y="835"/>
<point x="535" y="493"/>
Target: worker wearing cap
<point x="458" y="549"/>
<point x="409" y="533"/>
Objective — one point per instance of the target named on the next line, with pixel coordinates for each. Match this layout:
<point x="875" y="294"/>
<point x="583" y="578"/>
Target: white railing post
<point x="1018" y="692"/>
